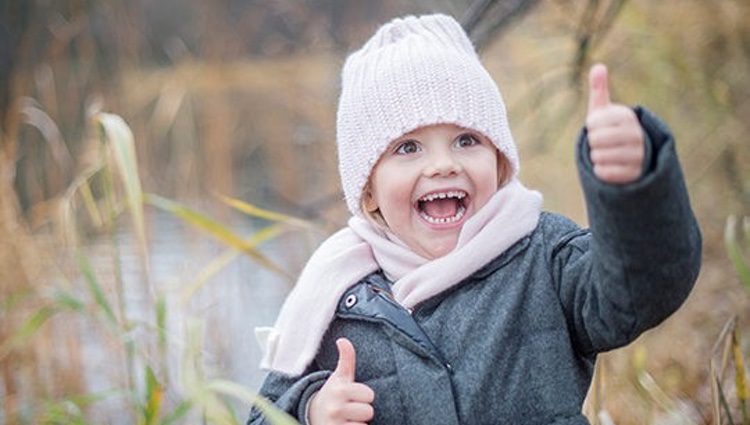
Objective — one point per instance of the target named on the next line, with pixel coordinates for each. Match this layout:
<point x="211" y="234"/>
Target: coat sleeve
<point x="641" y="257"/>
<point x="289" y="394"/>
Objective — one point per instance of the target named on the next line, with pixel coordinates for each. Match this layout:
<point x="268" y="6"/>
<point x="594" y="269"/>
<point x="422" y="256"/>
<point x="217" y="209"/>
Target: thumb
<point x="347" y="360"/>
<point x="598" y="87"/>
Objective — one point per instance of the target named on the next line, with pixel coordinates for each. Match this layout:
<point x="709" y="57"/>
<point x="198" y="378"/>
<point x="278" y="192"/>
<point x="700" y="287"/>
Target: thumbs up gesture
<point x="341" y="400"/>
<point x="615" y="136"/>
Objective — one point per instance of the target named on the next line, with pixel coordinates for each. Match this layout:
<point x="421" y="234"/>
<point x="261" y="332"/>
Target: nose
<point x="442" y="163"/>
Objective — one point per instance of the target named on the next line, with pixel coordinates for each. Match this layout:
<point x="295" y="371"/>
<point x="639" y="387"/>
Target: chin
<point x="441" y="250"/>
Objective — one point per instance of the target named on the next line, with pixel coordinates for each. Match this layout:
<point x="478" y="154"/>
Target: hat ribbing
<point x="415" y="71"/>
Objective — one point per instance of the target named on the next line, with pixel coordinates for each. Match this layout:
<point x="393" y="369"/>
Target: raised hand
<point x="341" y="400"/>
<point x="614" y="133"/>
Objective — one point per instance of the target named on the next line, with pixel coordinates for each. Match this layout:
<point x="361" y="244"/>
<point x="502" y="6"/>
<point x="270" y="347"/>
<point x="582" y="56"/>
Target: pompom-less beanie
<point x="415" y="71"/>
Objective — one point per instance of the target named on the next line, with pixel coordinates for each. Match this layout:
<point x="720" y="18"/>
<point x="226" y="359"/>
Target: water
<point x="242" y="296"/>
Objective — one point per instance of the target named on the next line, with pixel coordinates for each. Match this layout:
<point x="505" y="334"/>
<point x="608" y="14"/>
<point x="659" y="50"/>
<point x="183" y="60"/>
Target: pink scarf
<point x="362" y="248"/>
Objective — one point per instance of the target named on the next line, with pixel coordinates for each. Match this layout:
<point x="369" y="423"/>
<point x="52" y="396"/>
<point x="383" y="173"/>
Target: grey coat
<point x="515" y="343"/>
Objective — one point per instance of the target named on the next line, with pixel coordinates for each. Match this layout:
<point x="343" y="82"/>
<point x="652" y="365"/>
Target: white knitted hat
<point x="414" y="71"/>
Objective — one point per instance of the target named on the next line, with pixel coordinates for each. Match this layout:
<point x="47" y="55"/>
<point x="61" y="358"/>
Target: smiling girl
<point x="451" y="297"/>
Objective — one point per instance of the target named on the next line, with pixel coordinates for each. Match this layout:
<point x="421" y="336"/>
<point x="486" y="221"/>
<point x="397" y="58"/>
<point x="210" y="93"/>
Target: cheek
<point x="392" y="193"/>
<point x="489" y="167"/>
<point x="488" y="178"/>
<point x="396" y="202"/>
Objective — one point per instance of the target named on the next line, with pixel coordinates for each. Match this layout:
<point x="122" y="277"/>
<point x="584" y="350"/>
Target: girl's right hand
<point x="341" y="400"/>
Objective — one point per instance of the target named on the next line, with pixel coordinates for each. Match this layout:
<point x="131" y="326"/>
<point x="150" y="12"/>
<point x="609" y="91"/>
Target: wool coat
<point x="516" y="342"/>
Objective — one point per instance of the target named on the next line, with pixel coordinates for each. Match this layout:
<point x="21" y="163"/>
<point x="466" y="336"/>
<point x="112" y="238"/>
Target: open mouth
<point x="442" y="207"/>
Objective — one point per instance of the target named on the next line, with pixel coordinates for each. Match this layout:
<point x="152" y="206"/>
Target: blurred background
<point x="138" y="254"/>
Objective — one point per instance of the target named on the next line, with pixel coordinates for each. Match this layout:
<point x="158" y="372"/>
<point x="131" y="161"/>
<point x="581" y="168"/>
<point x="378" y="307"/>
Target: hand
<point x="615" y="135"/>
<point x="341" y="400"/>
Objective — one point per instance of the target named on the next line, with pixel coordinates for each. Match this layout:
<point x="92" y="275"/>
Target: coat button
<point x="350" y="301"/>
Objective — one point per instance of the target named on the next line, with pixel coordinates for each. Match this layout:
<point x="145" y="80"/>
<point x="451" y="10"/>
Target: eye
<point x="467" y="140"/>
<point x="407" y="147"/>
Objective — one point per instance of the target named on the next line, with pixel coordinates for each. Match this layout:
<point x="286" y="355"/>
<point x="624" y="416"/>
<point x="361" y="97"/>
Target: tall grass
<point x="139" y="344"/>
<point x="737" y="243"/>
<point x="261" y="128"/>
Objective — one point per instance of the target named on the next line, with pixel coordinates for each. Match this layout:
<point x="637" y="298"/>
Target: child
<point x="450" y="297"/>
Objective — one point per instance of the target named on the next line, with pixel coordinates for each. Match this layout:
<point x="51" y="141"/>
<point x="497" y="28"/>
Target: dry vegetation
<point x="254" y="120"/>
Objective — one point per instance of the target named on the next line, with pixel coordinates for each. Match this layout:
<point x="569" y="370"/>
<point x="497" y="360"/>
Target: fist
<point x="614" y="133"/>
<point x="341" y="400"/>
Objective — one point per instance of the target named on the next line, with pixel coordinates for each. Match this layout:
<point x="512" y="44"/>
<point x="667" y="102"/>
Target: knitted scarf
<point x="362" y="248"/>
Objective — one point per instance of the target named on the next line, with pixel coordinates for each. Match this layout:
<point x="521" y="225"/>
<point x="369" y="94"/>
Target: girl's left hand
<point x="615" y="136"/>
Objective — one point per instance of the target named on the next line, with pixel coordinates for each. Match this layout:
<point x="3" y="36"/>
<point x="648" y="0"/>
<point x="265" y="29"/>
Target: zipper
<point x="388" y="296"/>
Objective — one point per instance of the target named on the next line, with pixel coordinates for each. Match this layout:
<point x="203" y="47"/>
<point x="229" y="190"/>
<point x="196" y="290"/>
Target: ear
<point x="504" y="170"/>
<point x="368" y="200"/>
<point x="370" y="208"/>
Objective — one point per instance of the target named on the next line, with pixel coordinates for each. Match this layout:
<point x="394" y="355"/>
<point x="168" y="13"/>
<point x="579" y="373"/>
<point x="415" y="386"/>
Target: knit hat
<point x="415" y="71"/>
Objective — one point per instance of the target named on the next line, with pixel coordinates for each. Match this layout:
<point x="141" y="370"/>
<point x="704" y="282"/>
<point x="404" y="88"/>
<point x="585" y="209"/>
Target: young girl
<point x="450" y="297"/>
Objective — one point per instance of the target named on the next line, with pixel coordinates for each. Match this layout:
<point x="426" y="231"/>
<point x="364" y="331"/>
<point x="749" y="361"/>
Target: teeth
<point x="459" y="194"/>
<point x="444" y="220"/>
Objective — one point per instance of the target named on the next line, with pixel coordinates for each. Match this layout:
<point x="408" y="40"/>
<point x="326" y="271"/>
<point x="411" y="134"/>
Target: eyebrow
<point x="460" y="131"/>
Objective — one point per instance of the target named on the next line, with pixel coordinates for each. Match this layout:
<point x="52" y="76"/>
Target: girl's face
<point x="429" y="182"/>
